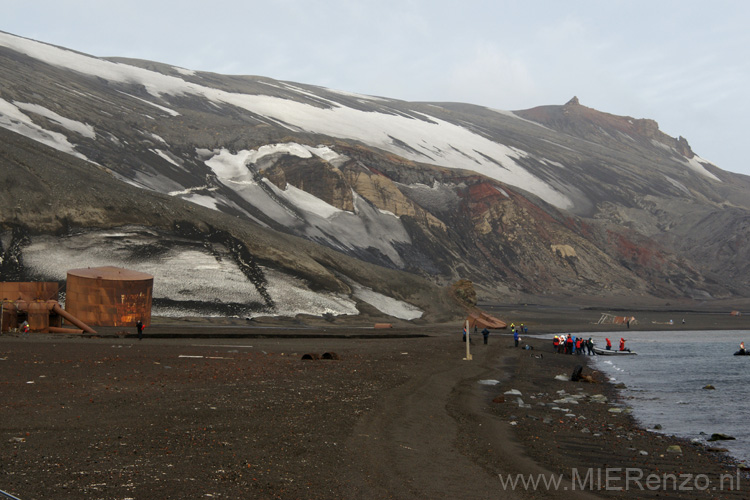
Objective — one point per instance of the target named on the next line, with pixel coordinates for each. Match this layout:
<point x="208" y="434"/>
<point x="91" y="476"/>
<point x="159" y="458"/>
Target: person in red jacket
<point x="609" y="344"/>
<point x="622" y="344"/>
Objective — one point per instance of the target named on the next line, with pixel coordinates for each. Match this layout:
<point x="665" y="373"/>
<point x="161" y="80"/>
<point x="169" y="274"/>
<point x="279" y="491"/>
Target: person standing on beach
<point x="139" y="326"/>
<point x="569" y="345"/>
<point x="515" y="336"/>
<point x="590" y="347"/>
<point x="485" y="334"/>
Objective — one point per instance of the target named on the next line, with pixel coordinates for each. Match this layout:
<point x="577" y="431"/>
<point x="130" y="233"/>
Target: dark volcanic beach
<point x="207" y="409"/>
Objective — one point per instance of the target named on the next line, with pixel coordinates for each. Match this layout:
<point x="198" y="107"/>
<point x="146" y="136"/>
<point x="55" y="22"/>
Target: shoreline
<point x="589" y="428"/>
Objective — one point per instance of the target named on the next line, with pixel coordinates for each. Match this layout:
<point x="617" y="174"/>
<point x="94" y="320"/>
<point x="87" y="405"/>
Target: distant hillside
<point x="251" y="196"/>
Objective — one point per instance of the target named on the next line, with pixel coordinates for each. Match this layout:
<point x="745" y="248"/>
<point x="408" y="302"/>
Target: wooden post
<point x="468" y="352"/>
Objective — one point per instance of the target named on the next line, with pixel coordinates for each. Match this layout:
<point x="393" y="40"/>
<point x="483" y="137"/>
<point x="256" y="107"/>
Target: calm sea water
<point x="665" y="382"/>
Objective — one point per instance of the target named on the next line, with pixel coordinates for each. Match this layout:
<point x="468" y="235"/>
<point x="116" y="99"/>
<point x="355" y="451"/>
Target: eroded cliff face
<point x="314" y="176"/>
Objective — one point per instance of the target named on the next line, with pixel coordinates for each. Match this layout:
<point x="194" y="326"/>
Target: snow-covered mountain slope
<point x="556" y="199"/>
<point x="418" y="136"/>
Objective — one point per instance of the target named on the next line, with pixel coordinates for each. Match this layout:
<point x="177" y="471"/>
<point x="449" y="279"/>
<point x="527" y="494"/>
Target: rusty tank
<point x="109" y="296"/>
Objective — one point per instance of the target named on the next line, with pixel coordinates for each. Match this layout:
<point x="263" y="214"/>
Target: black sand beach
<point x="186" y="413"/>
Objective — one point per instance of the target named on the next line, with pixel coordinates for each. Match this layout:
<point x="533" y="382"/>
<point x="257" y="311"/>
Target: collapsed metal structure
<point x="484" y="320"/>
<point x="34" y="304"/>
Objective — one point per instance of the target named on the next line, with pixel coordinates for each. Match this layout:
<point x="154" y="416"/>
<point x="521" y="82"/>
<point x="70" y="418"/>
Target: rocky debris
<point x="464" y="292"/>
<point x="720" y="437"/>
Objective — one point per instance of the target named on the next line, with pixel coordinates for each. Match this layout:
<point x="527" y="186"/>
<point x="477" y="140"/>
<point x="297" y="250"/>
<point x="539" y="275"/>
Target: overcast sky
<point x="685" y="64"/>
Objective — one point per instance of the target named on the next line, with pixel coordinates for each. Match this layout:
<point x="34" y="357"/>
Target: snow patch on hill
<point x="696" y="164"/>
<point x="428" y="140"/>
<point x="385" y="304"/>
<point x="366" y="228"/>
<point x="14" y="119"/>
<point x="184" y="273"/>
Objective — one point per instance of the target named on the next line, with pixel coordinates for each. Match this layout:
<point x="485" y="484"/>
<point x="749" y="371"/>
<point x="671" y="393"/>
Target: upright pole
<point x="2" y="311"/>
<point x="468" y="353"/>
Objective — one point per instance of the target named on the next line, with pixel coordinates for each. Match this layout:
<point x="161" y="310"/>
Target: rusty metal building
<point x="28" y="301"/>
<point x="109" y="296"/>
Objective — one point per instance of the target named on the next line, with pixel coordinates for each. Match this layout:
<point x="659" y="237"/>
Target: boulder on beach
<point x="717" y="436"/>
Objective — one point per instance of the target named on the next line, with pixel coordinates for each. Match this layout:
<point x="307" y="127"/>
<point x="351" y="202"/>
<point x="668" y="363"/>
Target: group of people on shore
<point x="573" y="345"/>
<point x="569" y="344"/>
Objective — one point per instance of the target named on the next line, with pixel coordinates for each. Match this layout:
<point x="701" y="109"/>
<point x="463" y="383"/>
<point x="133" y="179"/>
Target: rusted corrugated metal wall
<point x="109" y="296"/>
<point x="29" y="291"/>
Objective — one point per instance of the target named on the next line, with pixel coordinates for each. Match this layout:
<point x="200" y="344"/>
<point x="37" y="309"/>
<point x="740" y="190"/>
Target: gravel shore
<point x="191" y="413"/>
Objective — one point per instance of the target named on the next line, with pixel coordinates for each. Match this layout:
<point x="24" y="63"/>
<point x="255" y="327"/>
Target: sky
<point x="685" y="64"/>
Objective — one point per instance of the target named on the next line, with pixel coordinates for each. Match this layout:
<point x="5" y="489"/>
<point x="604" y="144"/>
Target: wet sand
<point x="400" y="414"/>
